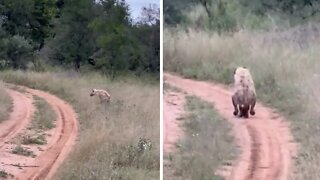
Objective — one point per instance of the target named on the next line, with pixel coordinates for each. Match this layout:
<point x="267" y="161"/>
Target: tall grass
<point x="207" y="145"/>
<point x="285" y="67"/>
<point x="6" y="103"/>
<point x="106" y="131"/>
<point x="230" y="16"/>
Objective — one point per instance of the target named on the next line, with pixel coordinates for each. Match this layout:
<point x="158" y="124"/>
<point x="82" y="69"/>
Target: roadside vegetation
<point x="279" y="46"/>
<point x="6" y="104"/>
<point x="35" y="138"/>
<point x="44" y="116"/>
<point x="4" y="174"/>
<point x="207" y="145"/>
<point x="22" y="151"/>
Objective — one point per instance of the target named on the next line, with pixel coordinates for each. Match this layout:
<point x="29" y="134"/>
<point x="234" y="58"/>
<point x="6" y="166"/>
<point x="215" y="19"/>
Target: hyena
<point x="103" y="94"/>
<point x="244" y="97"/>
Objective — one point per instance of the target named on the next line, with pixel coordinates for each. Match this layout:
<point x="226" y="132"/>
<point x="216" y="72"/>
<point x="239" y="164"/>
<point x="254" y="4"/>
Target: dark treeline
<point x="230" y="15"/>
<point x="80" y="34"/>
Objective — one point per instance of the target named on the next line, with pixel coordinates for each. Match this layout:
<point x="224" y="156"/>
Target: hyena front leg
<point x="252" y="111"/>
<point x="101" y="99"/>
<point x="236" y="111"/>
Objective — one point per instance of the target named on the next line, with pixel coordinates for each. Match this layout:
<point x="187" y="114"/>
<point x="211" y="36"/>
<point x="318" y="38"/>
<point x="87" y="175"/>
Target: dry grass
<point x="39" y="139"/>
<point x="6" y="104"/>
<point x="44" y="116"/>
<point x="168" y="87"/>
<point x="22" y="151"/>
<point x="106" y="131"/>
<point x="207" y="145"/>
<point x="5" y="175"/>
<point x="285" y="66"/>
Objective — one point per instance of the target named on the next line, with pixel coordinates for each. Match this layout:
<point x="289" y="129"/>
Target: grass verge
<point x="105" y="130"/>
<point x="44" y="116"/>
<point x="43" y="119"/>
<point x="6" y="104"/>
<point x="39" y="139"/>
<point x="22" y="151"/>
<point x="207" y="144"/>
<point x="5" y="175"/>
<point x="168" y="87"/>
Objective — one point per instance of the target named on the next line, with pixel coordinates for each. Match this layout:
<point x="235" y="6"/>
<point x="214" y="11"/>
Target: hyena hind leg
<point x="246" y="113"/>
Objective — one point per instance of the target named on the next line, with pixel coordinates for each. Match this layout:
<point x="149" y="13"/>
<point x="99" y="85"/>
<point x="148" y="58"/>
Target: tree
<point x="172" y="10"/>
<point x="74" y="41"/>
<point x="31" y="19"/>
<point x="218" y="15"/>
<point x="301" y="9"/>
<point x="99" y="35"/>
<point x="115" y="46"/>
<point x="26" y="24"/>
<point x="148" y="32"/>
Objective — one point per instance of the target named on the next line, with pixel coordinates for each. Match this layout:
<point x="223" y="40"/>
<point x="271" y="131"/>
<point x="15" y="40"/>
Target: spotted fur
<point x="244" y="97"/>
<point x="103" y="94"/>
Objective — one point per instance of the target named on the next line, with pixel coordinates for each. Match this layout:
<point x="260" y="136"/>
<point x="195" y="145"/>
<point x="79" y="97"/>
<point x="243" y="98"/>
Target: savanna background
<point x="68" y="47"/>
<point x="276" y="40"/>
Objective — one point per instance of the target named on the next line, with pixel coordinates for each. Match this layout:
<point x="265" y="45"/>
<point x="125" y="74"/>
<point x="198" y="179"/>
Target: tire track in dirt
<point x="173" y="110"/>
<point x="172" y="130"/>
<point x="19" y="117"/>
<point x="60" y="144"/>
<point x="265" y="140"/>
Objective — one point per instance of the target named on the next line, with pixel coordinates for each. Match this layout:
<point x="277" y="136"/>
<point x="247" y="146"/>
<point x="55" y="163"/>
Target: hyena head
<point x="93" y="92"/>
<point x="240" y="67"/>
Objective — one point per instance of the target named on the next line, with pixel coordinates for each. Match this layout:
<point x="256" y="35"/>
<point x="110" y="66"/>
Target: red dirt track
<point x="265" y="141"/>
<point x="19" y="117"/>
<point x="59" y="144"/>
<point x="173" y="109"/>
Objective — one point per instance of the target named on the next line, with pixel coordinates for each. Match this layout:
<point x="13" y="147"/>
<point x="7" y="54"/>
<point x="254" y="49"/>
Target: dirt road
<point x="264" y="139"/>
<point x="59" y="143"/>
<point x="173" y="109"/>
<point x="19" y="117"/>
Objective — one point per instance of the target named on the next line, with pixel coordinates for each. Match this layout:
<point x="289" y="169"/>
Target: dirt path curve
<point x="19" y="117"/>
<point x="62" y="141"/>
<point x="173" y="109"/>
<point x="60" y="144"/>
<point x="265" y="140"/>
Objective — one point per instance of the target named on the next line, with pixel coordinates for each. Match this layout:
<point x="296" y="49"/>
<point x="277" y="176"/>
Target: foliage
<point x="73" y="42"/>
<point x="86" y="34"/>
<point x="173" y="10"/>
<point x="301" y="9"/>
<point x="233" y="15"/>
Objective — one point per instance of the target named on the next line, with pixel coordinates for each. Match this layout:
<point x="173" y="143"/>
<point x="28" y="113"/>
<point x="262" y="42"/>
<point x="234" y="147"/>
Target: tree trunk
<point x="205" y="5"/>
<point x="77" y="63"/>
